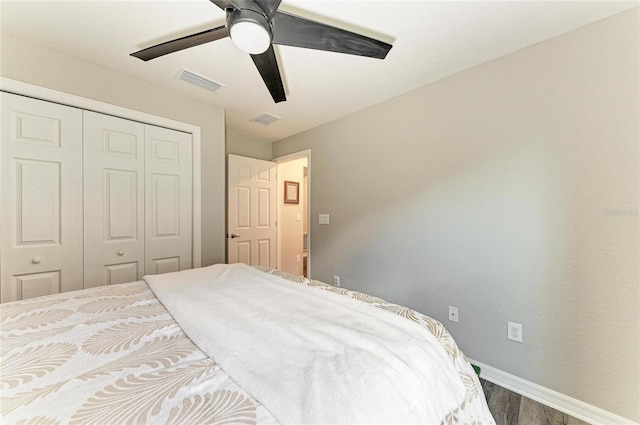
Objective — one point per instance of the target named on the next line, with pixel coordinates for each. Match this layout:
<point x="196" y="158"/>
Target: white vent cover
<point x="265" y="119"/>
<point x="198" y="80"/>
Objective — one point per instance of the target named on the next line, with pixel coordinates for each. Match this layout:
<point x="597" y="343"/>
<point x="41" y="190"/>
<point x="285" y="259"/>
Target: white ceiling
<point x="431" y="40"/>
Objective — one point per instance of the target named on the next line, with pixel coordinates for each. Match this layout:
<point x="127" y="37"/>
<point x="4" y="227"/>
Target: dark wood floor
<point x="509" y="408"/>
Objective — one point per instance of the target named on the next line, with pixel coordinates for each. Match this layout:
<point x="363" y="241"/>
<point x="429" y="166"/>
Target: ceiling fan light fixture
<point x="251" y="23"/>
<point x="249" y="30"/>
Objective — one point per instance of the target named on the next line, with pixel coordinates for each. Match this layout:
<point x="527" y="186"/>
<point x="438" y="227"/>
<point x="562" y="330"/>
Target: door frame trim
<point x="297" y="155"/>
<point x="30" y="90"/>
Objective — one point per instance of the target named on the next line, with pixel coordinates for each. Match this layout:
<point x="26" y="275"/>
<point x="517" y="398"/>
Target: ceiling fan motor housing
<point x="250" y="30"/>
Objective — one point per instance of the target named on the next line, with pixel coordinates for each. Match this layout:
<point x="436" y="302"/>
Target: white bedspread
<point x="308" y="355"/>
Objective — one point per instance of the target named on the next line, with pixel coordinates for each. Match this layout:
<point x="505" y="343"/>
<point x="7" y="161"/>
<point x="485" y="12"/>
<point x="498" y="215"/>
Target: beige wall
<point x="511" y="192"/>
<point x="239" y="144"/>
<point x="46" y="68"/>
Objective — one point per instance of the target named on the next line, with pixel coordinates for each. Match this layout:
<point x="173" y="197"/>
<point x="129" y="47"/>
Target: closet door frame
<point x="30" y="90"/>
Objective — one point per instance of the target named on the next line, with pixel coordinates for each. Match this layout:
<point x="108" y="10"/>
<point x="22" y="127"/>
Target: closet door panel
<point x="36" y="285"/>
<point x="121" y="273"/>
<point x="41" y="220"/>
<point x="37" y="201"/>
<point x="168" y="200"/>
<point x="114" y="200"/>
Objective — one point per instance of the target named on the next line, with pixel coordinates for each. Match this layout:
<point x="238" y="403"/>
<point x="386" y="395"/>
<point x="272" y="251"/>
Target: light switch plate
<point x="323" y="218"/>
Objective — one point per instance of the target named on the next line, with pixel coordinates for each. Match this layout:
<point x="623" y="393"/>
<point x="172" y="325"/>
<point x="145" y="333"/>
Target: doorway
<point x="293" y="229"/>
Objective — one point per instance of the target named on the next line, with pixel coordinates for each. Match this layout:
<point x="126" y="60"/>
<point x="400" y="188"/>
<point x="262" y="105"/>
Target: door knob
<point x="232" y="236"/>
<point x="121" y="253"/>
<point x="36" y="260"/>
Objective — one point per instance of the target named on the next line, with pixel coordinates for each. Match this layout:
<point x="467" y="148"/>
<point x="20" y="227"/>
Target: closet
<point x="89" y="199"/>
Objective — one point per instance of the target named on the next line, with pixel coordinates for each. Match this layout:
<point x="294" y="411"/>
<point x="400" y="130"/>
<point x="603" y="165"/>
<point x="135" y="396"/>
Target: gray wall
<point x="510" y="191"/>
<point x="46" y="68"/>
<point x="239" y="144"/>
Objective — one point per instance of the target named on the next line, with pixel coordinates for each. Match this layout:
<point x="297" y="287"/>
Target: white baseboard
<point x="571" y="406"/>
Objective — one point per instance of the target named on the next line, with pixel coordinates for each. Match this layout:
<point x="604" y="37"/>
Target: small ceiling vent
<point x="198" y="80"/>
<point x="265" y="119"/>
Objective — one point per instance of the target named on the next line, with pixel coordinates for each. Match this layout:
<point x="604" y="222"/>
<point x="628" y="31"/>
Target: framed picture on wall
<point x="291" y="192"/>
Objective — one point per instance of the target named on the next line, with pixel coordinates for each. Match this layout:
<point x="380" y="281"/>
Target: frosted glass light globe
<point x="250" y="37"/>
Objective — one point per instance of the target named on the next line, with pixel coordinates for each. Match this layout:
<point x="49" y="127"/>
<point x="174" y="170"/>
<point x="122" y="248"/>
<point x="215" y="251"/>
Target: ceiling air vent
<point x="198" y="80"/>
<point x="265" y="119"/>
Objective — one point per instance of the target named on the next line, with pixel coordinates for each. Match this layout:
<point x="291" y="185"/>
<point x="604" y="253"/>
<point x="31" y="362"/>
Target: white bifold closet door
<point x="168" y="200"/>
<point x="41" y="219"/>
<point x="137" y="200"/>
<point x="89" y="199"/>
<point x="113" y="200"/>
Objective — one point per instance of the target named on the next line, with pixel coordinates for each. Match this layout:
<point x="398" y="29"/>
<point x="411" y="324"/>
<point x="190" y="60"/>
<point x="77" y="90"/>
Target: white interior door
<point x="251" y="215"/>
<point x="113" y="200"/>
<point x="41" y="175"/>
<point x="168" y="200"/>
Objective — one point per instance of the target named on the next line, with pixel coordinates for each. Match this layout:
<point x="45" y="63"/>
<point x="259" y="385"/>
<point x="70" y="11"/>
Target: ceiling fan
<point x="255" y="25"/>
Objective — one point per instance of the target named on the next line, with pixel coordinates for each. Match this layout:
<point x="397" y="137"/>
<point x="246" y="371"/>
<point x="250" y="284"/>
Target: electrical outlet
<point x="453" y="314"/>
<point x="297" y="258"/>
<point x="336" y="280"/>
<point x="514" y="331"/>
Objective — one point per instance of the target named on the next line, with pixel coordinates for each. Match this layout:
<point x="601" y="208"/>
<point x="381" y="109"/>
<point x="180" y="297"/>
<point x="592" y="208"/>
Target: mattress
<point x="115" y="355"/>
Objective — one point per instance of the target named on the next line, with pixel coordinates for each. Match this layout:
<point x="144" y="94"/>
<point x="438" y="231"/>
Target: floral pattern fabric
<point x="114" y="355"/>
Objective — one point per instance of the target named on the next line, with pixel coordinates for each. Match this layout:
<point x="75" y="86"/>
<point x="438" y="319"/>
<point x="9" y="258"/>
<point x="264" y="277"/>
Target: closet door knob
<point x="36" y="260"/>
<point x="121" y="253"/>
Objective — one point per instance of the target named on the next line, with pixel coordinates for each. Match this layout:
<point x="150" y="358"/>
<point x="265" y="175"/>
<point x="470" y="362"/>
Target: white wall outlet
<point x="297" y="258"/>
<point x="453" y="314"/>
<point x="514" y="331"/>
<point x="336" y="280"/>
<point x="323" y="218"/>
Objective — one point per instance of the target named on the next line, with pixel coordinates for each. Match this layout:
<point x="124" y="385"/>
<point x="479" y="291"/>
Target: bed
<point x="230" y="344"/>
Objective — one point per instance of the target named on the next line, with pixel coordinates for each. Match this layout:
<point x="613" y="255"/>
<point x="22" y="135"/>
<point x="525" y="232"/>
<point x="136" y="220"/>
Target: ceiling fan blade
<point x="293" y="30"/>
<point x="224" y="4"/>
<point x="269" y="7"/>
<point x="182" y="43"/>
<point x="268" y="68"/>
